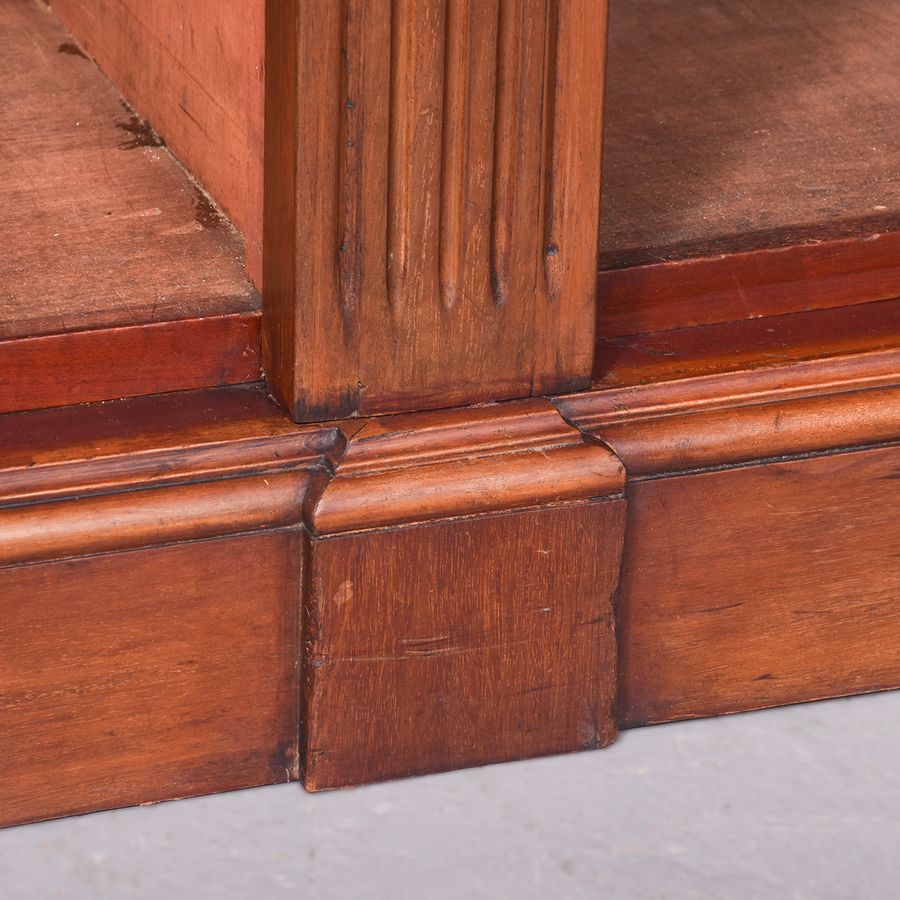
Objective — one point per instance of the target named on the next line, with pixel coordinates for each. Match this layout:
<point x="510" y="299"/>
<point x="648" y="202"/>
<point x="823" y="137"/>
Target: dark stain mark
<point x="142" y="135"/>
<point x="284" y="760"/>
<point x="70" y="48"/>
<point x="715" y="609"/>
<point x="205" y="211"/>
<point x="767" y="677"/>
<point x="497" y="287"/>
<point x="597" y="620"/>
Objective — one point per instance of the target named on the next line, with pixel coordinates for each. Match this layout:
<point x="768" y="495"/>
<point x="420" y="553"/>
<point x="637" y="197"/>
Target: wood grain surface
<point x="129" y="361"/>
<point x="749" y="160"/>
<point x="150" y="580"/>
<point x="148" y="675"/>
<point x="760" y="586"/>
<point x="179" y="438"/>
<point x="773" y="125"/>
<point x="433" y="205"/>
<point x="735" y="365"/>
<point x="103" y="232"/>
<point x="459" y="608"/>
<point x="736" y="285"/>
<point x="759" y="565"/>
<point x="415" y="468"/>
<point x="460" y="643"/>
<point x="756" y="178"/>
<point x="100" y="225"/>
<point x="828" y="338"/>
<point x="195" y="71"/>
<point x="73" y="527"/>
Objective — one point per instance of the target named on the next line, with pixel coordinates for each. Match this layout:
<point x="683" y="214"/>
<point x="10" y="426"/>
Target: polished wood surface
<point x="149" y="586"/>
<point x="416" y="468"/>
<point x="822" y="338"/>
<point x="760" y="586"/>
<point x="510" y="525"/>
<point x="195" y="71"/>
<point x="432" y="208"/>
<point x="773" y="496"/>
<point x="200" y="594"/>
<point x="730" y="286"/>
<point x="148" y="675"/>
<point x="759" y="565"/>
<point x="730" y="193"/>
<point x="748" y="392"/>
<point x="104" y="523"/>
<point x="750" y="160"/>
<point x="129" y="361"/>
<point x="179" y="438"/>
<point x="512" y="655"/>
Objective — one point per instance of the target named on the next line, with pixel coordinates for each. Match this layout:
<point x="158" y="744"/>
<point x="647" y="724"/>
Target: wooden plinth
<point x="436" y="590"/>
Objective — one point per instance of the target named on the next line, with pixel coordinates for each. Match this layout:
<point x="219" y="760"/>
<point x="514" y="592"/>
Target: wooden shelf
<point x="762" y="132"/>
<point x="101" y="227"/>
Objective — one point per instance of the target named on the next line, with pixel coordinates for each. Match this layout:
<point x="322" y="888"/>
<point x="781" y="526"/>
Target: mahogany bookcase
<point x="346" y="436"/>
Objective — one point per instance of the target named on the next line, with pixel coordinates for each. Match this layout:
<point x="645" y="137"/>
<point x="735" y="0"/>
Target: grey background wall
<point x="795" y="803"/>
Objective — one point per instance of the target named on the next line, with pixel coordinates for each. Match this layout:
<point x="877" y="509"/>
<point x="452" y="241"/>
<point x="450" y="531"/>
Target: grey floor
<point x="795" y="803"/>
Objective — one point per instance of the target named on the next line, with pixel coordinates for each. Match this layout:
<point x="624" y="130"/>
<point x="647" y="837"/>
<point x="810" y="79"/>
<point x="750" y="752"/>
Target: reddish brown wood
<point x="148" y="675"/>
<point x="425" y="466"/>
<point x="754" y="404"/>
<point x="501" y="517"/>
<point x="723" y="367"/>
<point x="433" y="201"/>
<point x="501" y="501"/>
<point x="169" y="667"/>
<point x="174" y="427"/>
<point x="730" y="436"/>
<point x="153" y="441"/>
<point x="47" y="531"/>
<point x="734" y="286"/>
<point x="128" y="361"/>
<point x="195" y="71"/>
<point x="829" y="336"/>
<point x="512" y="655"/>
<point x="100" y="226"/>
<point x="757" y="177"/>
<point x="758" y="566"/>
<point x="724" y="199"/>
<point x="760" y="586"/>
<point x="459" y="603"/>
<point x="103" y="232"/>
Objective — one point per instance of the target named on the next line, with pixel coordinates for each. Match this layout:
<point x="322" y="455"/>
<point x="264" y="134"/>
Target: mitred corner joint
<point x="459" y="595"/>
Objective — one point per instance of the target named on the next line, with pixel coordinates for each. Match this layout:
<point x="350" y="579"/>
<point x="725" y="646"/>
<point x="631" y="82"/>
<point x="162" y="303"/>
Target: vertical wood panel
<point x="309" y="347"/>
<point x="460" y="643"/>
<point x="434" y="152"/>
<point x="566" y="307"/>
<point x="468" y="149"/>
